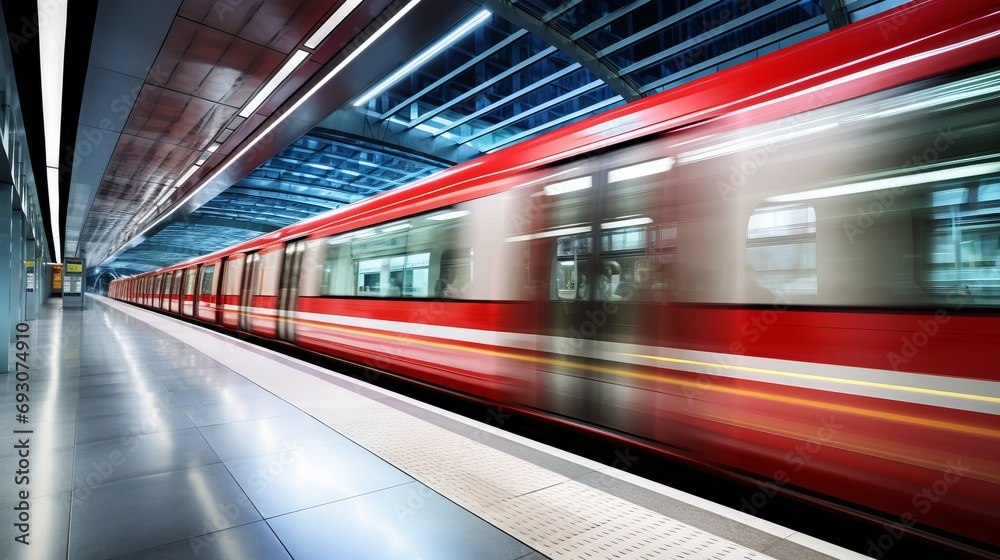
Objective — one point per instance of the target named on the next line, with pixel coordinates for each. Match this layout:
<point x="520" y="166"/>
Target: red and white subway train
<point x="790" y="268"/>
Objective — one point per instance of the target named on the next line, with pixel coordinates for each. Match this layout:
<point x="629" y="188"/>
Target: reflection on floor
<point x="141" y="447"/>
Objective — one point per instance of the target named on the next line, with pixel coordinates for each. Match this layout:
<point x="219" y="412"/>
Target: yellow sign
<point x="74" y="267"/>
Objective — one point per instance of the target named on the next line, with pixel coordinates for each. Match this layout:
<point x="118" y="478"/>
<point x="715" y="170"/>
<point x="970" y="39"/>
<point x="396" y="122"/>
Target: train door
<point x="168" y="284"/>
<point x="188" y="291"/>
<point x="196" y="302"/>
<point x="229" y="291"/>
<point x="206" y="302"/>
<point x="246" y="288"/>
<point x="637" y="245"/>
<point x="289" y="289"/>
<point x="196" y="296"/>
<point x="259" y="298"/>
<point x="155" y="296"/>
<point x="175" y="291"/>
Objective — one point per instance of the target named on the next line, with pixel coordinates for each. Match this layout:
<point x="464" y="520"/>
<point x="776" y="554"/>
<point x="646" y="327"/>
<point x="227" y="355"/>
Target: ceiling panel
<point x="211" y="64"/>
<point x="148" y="160"/>
<point x="276" y="24"/>
<point x="175" y="118"/>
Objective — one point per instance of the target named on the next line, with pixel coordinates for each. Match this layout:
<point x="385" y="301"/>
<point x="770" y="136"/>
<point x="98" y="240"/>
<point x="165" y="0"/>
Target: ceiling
<point x="168" y="156"/>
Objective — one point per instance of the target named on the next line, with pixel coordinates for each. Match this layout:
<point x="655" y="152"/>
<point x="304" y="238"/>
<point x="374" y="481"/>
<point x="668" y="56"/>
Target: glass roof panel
<point x="650" y="66"/>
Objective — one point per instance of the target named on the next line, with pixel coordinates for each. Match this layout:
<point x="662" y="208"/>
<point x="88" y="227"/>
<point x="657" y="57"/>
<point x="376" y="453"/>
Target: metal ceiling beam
<point x="536" y="109"/>
<point x="698" y="42"/>
<point x="198" y="219"/>
<point x="519" y="16"/>
<point x="160" y="248"/>
<point x="444" y="80"/>
<point x="606" y="20"/>
<point x="487" y="84"/>
<point x="512" y="97"/>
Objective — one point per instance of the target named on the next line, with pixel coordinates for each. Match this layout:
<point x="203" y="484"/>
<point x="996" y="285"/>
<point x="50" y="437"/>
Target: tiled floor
<point x="142" y="447"/>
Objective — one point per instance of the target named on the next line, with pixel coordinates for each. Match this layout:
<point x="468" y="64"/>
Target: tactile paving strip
<point x="555" y="515"/>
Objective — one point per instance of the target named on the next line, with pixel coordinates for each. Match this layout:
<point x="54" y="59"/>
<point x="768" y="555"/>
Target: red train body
<point x="788" y="268"/>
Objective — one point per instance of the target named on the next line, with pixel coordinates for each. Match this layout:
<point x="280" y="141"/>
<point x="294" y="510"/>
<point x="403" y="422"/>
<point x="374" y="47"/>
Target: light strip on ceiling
<point x="290" y="65"/>
<point x="52" y="174"/>
<point x="423" y="57"/>
<point x="51" y="49"/>
<point x="331" y="23"/>
<point x="280" y="119"/>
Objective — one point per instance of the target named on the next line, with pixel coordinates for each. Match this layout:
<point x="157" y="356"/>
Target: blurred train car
<point x="790" y="268"/>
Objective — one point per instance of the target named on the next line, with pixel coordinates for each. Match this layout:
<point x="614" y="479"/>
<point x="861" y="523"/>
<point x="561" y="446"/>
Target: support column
<point x="8" y="314"/>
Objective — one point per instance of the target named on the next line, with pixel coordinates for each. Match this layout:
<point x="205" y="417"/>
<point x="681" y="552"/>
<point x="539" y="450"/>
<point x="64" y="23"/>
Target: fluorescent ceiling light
<point x="349" y="172"/>
<point x="396" y="227"/>
<point x="52" y="174"/>
<point x="187" y="175"/>
<point x="448" y="215"/>
<point x="166" y="194"/>
<point x="367" y="163"/>
<point x="284" y="115"/>
<point x="578" y="184"/>
<point x="331" y="23"/>
<point x="641" y="170"/>
<point x="891" y="182"/>
<point x="423" y="57"/>
<point x="290" y="65"/>
<point x="626" y="223"/>
<point x="51" y="49"/>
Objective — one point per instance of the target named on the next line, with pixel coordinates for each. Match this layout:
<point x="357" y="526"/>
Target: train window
<point x="168" y="283"/>
<point x="176" y="289"/>
<point x="156" y="283"/>
<point x="565" y="233"/>
<point x="570" y="273"/>
<point x="265" y="281"/>
<point x="416" y="257"/>
<point x="781" y="252"/>
<point x="959" y="230"/>
<point x="637" y="245"/>
<point x="234" y="268"/>
<point x="207" y="275"/>
<point x="189" y="281"/>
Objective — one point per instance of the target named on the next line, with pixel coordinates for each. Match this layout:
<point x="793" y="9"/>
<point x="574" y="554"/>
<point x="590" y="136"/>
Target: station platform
<point x="154" y="438"/>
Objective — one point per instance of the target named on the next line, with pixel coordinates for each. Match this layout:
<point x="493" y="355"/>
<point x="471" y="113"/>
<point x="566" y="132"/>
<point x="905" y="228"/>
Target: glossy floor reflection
<point x="141" y="447"/>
